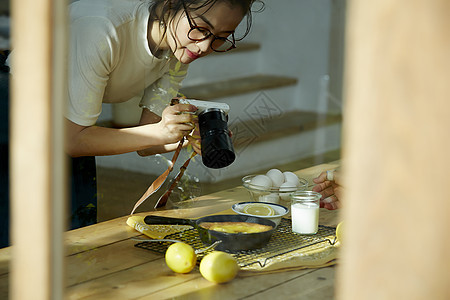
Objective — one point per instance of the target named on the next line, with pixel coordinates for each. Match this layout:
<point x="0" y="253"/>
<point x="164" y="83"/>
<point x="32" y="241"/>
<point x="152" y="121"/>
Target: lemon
<point x="181" y="257"/>
<point x="218" y="267"/>
<point x="339" y="231"/>
<point x="259" y="209"/>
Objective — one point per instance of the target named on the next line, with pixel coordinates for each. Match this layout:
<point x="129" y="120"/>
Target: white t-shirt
<point x="110" y="60"/>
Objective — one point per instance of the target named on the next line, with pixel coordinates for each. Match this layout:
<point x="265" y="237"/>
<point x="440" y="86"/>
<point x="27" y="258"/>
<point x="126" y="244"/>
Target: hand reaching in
<point x="328" y="184"/>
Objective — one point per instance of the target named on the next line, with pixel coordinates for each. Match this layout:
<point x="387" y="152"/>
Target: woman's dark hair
<point x="164" y="10"/>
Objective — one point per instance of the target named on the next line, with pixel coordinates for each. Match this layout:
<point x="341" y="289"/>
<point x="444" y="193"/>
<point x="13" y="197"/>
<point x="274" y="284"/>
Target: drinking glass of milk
<point x="305" y="212"/>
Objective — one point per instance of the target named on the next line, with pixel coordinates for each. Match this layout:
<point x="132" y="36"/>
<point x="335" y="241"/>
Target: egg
<point x="287" y="187"/>
<point x="261" y="182"/>
<point x="291" y="177"/>
<point x="276" y="176"/>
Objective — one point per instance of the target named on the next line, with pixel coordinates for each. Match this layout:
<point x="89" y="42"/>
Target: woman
<point x="121" y="49"/>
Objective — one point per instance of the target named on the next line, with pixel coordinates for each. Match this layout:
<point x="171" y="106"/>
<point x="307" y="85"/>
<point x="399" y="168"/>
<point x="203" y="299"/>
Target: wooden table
<point x="102" y="262"/>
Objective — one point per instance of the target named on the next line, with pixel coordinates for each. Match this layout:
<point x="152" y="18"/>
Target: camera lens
<point x="217" y="148"/>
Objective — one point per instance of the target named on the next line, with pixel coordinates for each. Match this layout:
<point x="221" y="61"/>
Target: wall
<point x="294" y="37"/>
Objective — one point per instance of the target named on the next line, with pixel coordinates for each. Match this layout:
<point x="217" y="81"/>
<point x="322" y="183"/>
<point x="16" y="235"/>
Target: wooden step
<point x="251" y="131"/>
<point x="240" y="47"/>
<point x="236" y="86"/>
<point x="119" y="195"/>
<point x="271" y="129"/>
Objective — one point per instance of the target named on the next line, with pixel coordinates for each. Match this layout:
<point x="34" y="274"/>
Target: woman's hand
<point x="177" y="121"/>
<point x="328" y="184"/>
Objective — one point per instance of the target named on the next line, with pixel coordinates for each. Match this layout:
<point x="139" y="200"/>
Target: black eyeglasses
<point x="197" y="33"/>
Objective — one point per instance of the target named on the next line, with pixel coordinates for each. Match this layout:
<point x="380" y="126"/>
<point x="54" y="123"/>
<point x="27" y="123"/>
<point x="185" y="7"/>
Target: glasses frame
<point x="194" y="26"/>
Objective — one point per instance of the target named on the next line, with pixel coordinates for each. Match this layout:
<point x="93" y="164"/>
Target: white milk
<point x="305" y="218"/>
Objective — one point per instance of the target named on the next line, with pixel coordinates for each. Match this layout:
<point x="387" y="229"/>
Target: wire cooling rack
<point x="283" y="241"/>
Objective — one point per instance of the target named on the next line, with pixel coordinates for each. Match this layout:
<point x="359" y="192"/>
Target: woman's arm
<point x="96" y="140"/>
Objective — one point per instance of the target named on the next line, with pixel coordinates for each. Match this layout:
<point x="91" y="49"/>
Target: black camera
<point x="217" y="147"/>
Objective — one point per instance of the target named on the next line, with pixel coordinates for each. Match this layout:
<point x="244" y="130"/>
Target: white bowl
<point x="272" y="195"/>
<point x="280" y="210"/>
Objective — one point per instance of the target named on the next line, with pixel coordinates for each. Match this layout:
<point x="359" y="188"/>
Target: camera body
<point x="206" y="105"/>
<point x="217" y="147"/>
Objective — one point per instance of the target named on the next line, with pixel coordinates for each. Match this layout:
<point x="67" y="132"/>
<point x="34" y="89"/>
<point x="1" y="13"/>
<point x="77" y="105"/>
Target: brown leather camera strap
<point x="163" y="199"/>
<point x="161" y="179"/>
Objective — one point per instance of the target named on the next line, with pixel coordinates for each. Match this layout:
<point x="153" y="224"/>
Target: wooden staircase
<point x="268" y="130"/>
